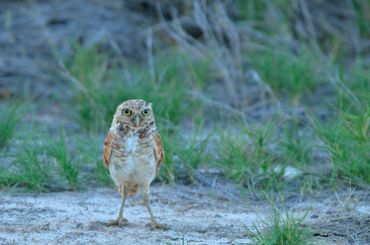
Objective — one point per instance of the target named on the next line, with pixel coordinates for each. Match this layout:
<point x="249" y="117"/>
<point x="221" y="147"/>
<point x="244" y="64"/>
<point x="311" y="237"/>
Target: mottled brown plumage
<point x="133" y="152"/>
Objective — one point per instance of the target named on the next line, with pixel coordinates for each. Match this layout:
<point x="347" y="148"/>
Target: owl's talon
<point x="155" y="225"/>
<point x="118" y="222"/>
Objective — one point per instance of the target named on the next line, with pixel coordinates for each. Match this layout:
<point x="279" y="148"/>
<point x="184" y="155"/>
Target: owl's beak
<point x="137" y="121"/>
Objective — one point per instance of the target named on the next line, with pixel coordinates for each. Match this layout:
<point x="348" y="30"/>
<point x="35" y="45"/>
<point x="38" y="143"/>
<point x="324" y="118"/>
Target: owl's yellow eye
<point x="146" y="112"/>
<point x="126" y="112"/>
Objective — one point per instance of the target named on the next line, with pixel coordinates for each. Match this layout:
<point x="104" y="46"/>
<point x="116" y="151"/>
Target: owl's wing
<point x="158" y="150"/>
<point x="107" y="149"/>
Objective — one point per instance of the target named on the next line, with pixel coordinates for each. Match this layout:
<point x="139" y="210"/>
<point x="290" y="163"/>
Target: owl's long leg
<point x="120" y="221"/>
<point x="154" y="224"/>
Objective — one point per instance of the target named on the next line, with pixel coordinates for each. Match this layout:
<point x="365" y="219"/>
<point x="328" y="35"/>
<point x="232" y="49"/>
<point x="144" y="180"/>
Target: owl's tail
<point x="132" y="190"/>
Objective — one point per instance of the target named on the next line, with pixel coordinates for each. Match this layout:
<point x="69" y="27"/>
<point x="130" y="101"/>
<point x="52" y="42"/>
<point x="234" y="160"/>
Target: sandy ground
<point x="195" y="214"/>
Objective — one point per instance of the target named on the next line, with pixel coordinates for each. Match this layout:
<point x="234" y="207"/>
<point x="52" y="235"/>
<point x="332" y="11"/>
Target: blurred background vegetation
<point x="273" y="95"/>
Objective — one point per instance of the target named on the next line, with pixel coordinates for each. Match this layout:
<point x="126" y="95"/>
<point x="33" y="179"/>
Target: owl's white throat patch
<point x="131" y="142"/>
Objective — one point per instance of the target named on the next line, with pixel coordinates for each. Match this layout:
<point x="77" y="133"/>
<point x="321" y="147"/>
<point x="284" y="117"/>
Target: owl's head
<point x="134" y="113"/>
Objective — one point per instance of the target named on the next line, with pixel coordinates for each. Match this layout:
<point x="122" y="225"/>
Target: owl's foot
<point x="118" y="222"/>
<point x="155" y="225"/>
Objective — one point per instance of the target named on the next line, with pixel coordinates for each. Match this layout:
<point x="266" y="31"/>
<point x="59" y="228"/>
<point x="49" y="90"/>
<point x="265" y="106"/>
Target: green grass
<point x="10" y="117"/>
<point x="89" y="150"/>
<point x="281" y="229"/>
<point x="246" y="158"/>
<point x="29" y="170"/>
<point x="52" y="164"/>
<point x="288" y="74"/>
<point x="295" y="146"/>
<point x="362" y="9"/>
<point x="346" y="135"/>
<point x="182" y="156"/>
<point x="347" y="141"/>
<point x="251" y="9"/>
<point x="34" y="174"/>
<point x="258" y="10"/>
<point x="58" y="149"/>
<point x="353" y="88"/>
<point x="234" y="157"/>
<point x="192" y="153"/>
<point x="103" y="86"/>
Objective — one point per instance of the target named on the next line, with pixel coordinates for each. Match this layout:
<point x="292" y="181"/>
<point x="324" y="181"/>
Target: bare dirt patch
<point x="195" y="214"/>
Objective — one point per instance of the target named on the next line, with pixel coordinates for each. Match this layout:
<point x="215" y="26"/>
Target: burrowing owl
<point x="133" y="153"/>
